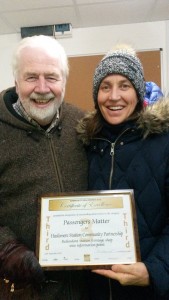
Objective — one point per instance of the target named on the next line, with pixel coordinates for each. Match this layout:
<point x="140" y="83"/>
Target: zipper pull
<point x="112" y="149"/>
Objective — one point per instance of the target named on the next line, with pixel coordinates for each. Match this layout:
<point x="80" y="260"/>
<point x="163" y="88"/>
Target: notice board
<point x="80" y="81"/>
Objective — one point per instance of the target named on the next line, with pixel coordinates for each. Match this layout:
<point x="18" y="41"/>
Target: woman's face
<point x="117" y="99"/>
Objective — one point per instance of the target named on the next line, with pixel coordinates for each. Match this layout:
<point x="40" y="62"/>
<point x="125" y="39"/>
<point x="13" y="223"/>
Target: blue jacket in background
<point x="153" y="93"/>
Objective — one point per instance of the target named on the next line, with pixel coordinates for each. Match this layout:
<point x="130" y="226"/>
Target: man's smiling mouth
<point x="41" y="101"/>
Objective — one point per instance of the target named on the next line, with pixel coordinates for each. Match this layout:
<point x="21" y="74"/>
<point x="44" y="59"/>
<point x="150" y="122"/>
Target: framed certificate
<point x="87" y="230"/>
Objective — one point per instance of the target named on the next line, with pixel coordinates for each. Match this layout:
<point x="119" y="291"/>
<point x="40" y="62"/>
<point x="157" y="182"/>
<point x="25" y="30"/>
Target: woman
<point x="128" y="148"/>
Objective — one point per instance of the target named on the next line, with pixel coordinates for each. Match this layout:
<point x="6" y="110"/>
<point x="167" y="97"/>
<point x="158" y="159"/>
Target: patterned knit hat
<point x="123" y="61"/>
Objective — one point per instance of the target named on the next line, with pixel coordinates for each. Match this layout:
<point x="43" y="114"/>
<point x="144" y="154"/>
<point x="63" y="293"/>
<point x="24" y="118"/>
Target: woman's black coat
<point x="135" y="155"/>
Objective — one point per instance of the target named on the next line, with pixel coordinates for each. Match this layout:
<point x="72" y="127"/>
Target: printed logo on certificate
<point x="87" y="230"/>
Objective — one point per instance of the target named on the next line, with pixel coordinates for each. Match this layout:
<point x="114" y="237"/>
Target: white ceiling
<point x="15" y="14"/>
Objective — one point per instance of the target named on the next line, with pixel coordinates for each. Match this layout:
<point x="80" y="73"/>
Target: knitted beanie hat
<point x="123" y="61"/>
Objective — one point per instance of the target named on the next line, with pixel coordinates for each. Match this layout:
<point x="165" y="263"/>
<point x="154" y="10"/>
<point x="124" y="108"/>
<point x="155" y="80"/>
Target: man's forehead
<point x="38" y="54"/>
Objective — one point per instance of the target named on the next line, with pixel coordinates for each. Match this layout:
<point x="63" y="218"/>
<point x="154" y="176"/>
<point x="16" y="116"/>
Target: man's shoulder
<point x="71" y="109"/>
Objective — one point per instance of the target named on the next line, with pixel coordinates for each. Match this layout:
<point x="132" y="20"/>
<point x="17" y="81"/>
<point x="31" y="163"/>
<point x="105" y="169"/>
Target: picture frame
<point x="87" y="230"/>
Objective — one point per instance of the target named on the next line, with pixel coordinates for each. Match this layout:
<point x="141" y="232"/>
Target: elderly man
<point x="40" y="154"/>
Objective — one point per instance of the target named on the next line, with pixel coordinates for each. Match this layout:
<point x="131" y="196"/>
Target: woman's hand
<point x="134" y="274"/>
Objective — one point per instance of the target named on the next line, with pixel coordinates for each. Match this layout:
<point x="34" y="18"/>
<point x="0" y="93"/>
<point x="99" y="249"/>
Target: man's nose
<point x="42" y="86"/>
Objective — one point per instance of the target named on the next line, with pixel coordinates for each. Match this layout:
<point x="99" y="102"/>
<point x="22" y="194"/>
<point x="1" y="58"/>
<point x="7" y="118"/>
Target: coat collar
<point x="154" y="119"/>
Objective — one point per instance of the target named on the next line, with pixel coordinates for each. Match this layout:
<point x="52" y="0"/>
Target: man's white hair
<point x="48" y="44"/>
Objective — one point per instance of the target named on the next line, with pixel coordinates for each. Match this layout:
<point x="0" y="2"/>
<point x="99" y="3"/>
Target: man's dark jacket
<point x="33" y="163"/>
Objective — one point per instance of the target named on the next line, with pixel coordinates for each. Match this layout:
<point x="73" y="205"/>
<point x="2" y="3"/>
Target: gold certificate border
<point x="97" y="201"/>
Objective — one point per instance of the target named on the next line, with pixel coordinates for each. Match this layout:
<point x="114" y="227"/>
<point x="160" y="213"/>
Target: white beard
<point x="43" y="116"/>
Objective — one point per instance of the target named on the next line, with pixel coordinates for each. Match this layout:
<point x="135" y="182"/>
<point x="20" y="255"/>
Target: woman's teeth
<point x="115" y="107"/>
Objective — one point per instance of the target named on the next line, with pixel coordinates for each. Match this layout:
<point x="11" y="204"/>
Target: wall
<point x="98" y="40"/>
<point x="7" y="46"/>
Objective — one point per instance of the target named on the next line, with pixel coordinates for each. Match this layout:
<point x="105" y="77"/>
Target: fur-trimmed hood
<point x="153" y="119"/>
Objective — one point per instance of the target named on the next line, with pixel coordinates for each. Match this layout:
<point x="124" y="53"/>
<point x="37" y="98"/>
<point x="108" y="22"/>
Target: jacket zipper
<point x="112" y="164"/>
<point x="112" y="153"/>
<point x="56" y="166"/>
